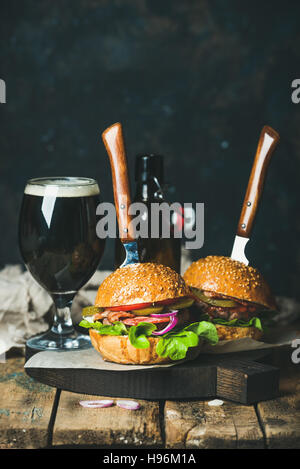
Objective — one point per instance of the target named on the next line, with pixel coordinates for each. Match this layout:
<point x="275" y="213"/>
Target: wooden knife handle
<point x="115" y="147"/>
<point x="268" y="140"/>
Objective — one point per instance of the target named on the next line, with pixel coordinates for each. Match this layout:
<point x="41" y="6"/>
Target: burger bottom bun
<point x="232" y="333"/>
<point x="118" y="349"/>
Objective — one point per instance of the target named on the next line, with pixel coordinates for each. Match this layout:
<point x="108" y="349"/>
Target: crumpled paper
<point x="23" y="305"/>
<point x="26" y="309"/>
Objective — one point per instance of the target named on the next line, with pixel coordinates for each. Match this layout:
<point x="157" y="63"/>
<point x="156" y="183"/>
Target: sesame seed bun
<point x="228" y="277"/>
<point x="129" y="285"/>
<point x="118" y="349"/>
<point x="141" y="283"/>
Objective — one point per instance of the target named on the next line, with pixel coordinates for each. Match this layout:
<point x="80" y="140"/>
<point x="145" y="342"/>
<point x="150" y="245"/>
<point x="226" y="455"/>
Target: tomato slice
<point x="146" y="305"/>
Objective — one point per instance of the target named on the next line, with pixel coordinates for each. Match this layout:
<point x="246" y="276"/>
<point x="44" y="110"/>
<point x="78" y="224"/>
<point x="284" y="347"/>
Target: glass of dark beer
<point x="60" y="248"/>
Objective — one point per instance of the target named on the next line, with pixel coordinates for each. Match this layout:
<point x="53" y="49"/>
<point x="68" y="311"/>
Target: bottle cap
<point x="149" y="166"/>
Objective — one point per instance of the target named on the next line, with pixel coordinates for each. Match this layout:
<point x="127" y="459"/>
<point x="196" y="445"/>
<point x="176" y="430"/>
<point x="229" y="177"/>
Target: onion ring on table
<point x="97" y="404"/>
<point x="128" y="405"/>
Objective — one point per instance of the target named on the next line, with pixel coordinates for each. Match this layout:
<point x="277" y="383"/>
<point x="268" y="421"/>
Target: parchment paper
<point x="88" y="359"/>
<point x="278" y="337"/>
<point x="91" y="359"/>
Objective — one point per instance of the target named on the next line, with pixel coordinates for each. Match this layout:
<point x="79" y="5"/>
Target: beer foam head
<point x="62" y="187"/>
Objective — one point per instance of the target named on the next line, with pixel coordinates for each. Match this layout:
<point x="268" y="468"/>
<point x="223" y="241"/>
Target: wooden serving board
<point x="245" y="379"/>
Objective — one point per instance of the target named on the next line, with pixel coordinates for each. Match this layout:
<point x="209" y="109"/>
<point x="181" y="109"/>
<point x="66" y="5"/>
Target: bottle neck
<point x="149" y="190"/>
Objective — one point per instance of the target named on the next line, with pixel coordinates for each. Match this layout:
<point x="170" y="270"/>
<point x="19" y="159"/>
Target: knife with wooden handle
<point x="267" y="143"/>
<point x="115" y="147"/>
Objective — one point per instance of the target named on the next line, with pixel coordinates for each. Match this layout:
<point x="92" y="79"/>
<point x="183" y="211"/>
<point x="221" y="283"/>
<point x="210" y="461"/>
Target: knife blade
<point x="238" y="250"/>
<point x="114" y="143"/>
<point x="267" y="143"/>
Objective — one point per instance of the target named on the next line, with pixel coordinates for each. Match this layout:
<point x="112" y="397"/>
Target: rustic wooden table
<point x="33" y="415"/>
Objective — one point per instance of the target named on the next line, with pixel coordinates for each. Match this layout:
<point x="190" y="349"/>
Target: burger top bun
<point x="225" y="276"/>
<point x="141" y="283"/>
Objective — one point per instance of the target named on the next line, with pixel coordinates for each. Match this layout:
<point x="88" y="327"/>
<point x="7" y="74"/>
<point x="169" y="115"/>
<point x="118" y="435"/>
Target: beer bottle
<point x="149" y="177"/>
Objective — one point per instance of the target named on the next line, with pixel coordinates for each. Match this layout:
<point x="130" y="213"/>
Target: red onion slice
<point x="97" y="403"/>
<point x="169" y="327"/>
<point x="163" y="315"/>
<point x="128" y="405"/>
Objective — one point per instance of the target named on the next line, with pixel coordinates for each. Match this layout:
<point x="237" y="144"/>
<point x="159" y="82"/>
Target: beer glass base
<point x="51" y="341"/>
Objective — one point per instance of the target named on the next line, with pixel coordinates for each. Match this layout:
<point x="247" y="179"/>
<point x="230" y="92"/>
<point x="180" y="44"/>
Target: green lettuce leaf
<point x="138" y="334"/>
<point x="118" y="328"/>
<point x="261" y="321"/>
<point x="176" y="343"/>
<point x="174" y="347"/>
<point x="204" y="329"/>
<point x="253" y="322"/>
<point x="173" y="344"/>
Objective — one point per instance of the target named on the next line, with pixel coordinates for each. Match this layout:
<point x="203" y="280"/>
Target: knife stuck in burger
<point x="142" y="310"/>
<point x="229" y="292"/>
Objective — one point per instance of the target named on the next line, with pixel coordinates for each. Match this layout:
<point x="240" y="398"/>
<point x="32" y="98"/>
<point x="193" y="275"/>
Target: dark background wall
<point x="193" y="80"/>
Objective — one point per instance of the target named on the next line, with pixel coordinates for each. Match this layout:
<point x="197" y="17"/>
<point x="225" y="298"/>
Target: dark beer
<point x="57" y="233"/>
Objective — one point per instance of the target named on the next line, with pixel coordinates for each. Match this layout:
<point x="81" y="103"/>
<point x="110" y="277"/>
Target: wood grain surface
<point x="111" y="426"/>
<point x="280" y="418"/>
<point x="33" y="415"/>
<point x="242" y="380"/>
<point x="199" y="425"/>
<point x="25" y="408"/>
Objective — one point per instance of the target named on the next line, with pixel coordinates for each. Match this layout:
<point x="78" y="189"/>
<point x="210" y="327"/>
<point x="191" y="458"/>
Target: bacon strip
<point x="98" y="316"/>
<point x="137" y="319"/>
<point x="114" y="316"/>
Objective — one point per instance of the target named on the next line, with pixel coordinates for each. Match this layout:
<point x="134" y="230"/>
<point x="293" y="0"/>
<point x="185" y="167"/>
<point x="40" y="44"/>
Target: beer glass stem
<point x="62" y="321"/>
<point x="62" y="335"/>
